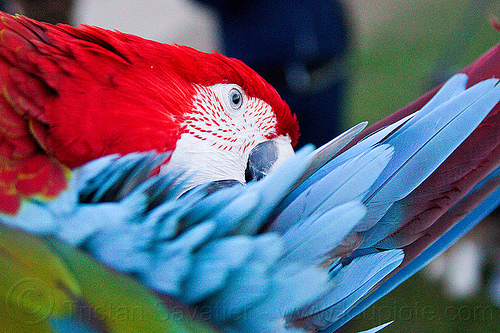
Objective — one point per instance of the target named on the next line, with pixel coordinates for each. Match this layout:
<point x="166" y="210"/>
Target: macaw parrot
<point x="147" y="187"/>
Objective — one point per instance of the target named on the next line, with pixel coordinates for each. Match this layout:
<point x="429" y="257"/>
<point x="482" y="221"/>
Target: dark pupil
<point x="236" y="98"/>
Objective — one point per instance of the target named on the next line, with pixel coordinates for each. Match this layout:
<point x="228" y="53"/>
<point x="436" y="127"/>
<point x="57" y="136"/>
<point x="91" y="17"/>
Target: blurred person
<point x="299" y="47"/>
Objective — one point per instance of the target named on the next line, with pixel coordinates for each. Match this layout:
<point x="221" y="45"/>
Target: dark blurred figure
<point x="51" y="11"/>
<point x="298" y="46"/>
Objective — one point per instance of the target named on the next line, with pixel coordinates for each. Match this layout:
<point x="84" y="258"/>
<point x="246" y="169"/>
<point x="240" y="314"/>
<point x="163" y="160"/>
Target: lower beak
<point x="267" y="156"/>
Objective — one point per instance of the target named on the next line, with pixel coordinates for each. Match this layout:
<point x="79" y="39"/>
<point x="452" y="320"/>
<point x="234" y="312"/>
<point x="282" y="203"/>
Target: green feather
<point x="32" y="279"/>
<point x="121" y="303"/>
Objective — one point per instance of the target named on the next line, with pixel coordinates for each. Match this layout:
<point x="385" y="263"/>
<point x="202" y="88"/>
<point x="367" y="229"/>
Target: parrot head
<point x="83" y="93"/>
<point x="235" y="126"/>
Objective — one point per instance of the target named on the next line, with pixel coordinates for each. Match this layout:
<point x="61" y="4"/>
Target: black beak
<point x="261" y="160"/>
<point x="266" y="157"/>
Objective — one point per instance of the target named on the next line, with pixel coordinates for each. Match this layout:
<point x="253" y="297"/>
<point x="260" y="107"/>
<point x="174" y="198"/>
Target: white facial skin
<point x="220" y="133"/>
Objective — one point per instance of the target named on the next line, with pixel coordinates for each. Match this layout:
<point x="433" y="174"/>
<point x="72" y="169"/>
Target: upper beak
<point x="267" y="156"/>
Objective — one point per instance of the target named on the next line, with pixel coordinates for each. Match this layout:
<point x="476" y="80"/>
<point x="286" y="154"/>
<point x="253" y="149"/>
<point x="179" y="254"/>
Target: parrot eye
<point x="235" y="99"/>
<point x="231" y="96"/>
